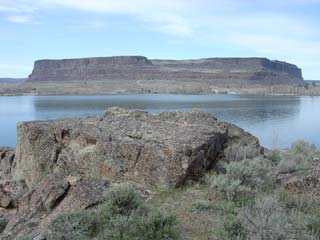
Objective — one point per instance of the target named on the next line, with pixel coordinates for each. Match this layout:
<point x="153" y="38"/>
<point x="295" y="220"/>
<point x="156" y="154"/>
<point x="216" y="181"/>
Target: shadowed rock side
<point x="212" y="70"/>
<point x="6" y="162"/>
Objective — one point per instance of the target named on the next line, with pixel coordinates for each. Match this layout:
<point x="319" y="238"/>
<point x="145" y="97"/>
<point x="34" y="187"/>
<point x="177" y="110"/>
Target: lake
<point x="276" y="120"/>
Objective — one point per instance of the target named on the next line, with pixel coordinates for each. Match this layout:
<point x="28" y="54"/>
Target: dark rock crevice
<point x="7" y="162"/>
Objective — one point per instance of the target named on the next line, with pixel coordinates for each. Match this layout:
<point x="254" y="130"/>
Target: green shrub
<point x="304" y="204"/>
<point x="274" y="156"/>
<point x="265" y="219"/>
<point x="299" y="157"/>
<point x="121" y="201"/>
<point x="240" y="152"/>
<point x="201" y="206"/>
<point x="140" y="225"/>
<point x="231" y="226"/>
<point x="304" y="211"/>
<point x="73" y="226"/>
<point x="287" y="165"/>
<point x="122" y="217"/>
<point x="244" y="178"/>
<point x="304" y="226"/>
<point x="313" y="224"/>
<point x="26" y="238"/>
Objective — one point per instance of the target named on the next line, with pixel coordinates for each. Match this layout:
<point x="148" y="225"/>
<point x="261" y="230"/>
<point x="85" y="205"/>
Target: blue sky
<point x="287" y="30"/>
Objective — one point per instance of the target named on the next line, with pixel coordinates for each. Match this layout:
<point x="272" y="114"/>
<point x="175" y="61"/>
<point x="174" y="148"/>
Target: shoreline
<point x="78" y="88"/>
<point x="156" y="93"/>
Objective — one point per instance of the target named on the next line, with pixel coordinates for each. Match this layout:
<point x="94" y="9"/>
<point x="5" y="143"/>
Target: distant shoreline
<point x="152" y="86"/>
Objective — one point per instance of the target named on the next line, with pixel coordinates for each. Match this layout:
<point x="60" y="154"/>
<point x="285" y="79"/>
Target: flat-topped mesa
<point x="100" y="68"/>
<point x="212" y="70"/>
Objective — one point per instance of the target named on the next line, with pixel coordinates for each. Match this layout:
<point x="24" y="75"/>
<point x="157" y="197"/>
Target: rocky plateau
<point x="213" y="70"/>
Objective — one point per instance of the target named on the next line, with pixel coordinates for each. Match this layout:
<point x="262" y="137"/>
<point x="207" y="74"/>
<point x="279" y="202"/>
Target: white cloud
<point x="16" y="6"/>
<point x="171" y="24"/>
<point x="119" y="6"/>
<point x="7" y="9"/>
<point x="276" y="35"/>
<point x="23" y="19"/>
<point x="164" y="16"/>
<point x="90" y="25"/>
<point x="161" y="15"/>
<point x="18" y="12"/>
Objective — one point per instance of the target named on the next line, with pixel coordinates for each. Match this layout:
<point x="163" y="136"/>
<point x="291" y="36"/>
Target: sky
<point x="286" y="30"/>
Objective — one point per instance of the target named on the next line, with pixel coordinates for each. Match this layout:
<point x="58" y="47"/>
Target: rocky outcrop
<point x="209" y="70"/>
<point x="66" y="165"/>
<point x="54" y="195"/>
<point x="240" y="145"/>
<point x="306" y="183"/>
<point x="6" y="162"/>
<point x="127" y="145"/>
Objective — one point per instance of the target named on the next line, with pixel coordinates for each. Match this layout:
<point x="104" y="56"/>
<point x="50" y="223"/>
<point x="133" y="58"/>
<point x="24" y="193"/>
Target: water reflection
<point x="13" y="110"/>
<point x="227" y="107"/>
<point x="276" y="120"/>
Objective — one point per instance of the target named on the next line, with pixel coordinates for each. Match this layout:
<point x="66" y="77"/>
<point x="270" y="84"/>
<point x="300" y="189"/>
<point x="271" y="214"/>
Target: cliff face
<point x="215" y="70"/>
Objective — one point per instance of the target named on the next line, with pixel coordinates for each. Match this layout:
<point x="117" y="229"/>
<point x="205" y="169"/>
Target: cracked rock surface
<point x="52" y="196"/>
<point x="161" y="150"/>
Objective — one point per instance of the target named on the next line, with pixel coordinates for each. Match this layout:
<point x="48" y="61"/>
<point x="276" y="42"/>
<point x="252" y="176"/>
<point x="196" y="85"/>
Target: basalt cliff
<point x="209" y="70"/>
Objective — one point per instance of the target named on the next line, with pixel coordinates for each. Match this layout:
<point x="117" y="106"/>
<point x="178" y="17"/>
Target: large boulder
<point x="62" y="165"/>
<point x="162" y="150"/>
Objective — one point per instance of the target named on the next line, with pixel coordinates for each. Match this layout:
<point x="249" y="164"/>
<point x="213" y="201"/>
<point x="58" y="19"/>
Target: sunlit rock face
<point x="161" y="150"/>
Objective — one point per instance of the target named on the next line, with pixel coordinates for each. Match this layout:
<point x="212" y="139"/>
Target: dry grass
<point x="193" y="208"/>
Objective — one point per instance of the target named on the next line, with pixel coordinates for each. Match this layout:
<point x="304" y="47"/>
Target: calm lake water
<point x="276" y="120"/>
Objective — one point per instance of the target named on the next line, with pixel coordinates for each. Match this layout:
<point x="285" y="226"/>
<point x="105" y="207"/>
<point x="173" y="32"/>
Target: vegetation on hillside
<point x="122" y="217"/>
<point x="247" y="202"/>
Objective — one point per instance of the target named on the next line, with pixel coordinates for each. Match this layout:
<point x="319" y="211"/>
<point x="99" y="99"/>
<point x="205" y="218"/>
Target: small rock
<point x="5" y="201"/>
